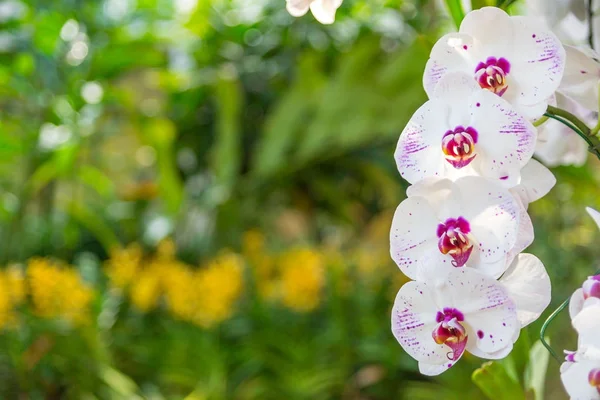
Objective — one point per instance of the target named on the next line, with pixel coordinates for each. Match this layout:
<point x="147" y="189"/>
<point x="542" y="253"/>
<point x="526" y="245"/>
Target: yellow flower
<point x="7" y="313"/>
<point x="162" y="275"/>
<point x="57" y="291"/>
<point x="16" y="284"/>
<point x="123" y="265"/>
<point x="180" y="293"/>
<point x="302" y="279"/>
<point x="145" y="290"/>
<point x="219" y="285"/>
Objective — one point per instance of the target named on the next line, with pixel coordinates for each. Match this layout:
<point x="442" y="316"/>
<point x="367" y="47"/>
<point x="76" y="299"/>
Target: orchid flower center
<point x="449" y="331"/>
<point x="454" y="240"/>
<point x="591" y="287"/>
<point x="594" y="378"/>
<point x="492" y="73"/>
<point x="458" y="146"/>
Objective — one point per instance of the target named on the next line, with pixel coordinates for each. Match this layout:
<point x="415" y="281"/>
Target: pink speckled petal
<point x="452" y="52"/>
<point x="413" y="321"/>
<point x="419" y="150"/>
<point x="493" y="214"/>
<point x="490" y="314"/>
<point x="507" y="140"/>
<point x="413" y="234"/>
<point x="525" y="234"/>
<point x="537" y="62"/>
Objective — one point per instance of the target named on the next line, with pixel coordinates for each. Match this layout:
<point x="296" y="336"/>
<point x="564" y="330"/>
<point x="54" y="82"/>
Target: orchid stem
<point x="578" y="126"/>
<point x="541" y="121"/>
<point x="545" y="326"/>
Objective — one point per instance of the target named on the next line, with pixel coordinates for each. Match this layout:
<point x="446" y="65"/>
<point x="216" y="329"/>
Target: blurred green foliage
<point x="131" y="121"/>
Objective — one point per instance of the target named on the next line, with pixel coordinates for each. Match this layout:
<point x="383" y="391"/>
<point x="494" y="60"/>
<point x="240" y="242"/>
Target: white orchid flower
<point x="518" y="58"/>
<point x="464" y="131"/>
<point x="471" y="222"/>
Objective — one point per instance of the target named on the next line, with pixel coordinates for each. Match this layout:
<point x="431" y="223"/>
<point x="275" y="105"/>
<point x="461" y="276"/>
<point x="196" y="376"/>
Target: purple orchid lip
<point x="454" y="240"/>
<point x="492" y="74"/>
<point x="451" y="332"/>
<point x="458" y="146"/>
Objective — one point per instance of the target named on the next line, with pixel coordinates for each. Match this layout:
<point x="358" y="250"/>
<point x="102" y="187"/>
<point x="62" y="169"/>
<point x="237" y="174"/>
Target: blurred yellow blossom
<point x="145" y="290"/>
<point x="15" y="280"/>
<point x="302" y="279"/>
<point x="7" y="314"/>
<point x="123" y="265"/>
<point x="57" y="291"/>
<point x="12" y="294"/>
<point x="180" y="293"/>
<point x="219" y="285"/>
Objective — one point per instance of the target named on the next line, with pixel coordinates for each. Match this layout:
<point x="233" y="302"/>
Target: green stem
<point x="549" y="320"/>
<point x="596" y="129"/>
<point x="541" y="121"/>
<point x="545" y="326"/>
<point x="577" y="126"/>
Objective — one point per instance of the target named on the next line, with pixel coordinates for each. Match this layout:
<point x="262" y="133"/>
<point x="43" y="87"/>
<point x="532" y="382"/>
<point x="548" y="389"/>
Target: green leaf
<point x="95" y="224"/>
<point x="97" y="180"/>
<point x="535" y="374"/>
<point x="47" y="31"/>
<point x="161" y="134"/>
<point x="504" y="4"/>
<point x="120" y="383"/>
<point x="516" y="362"/>
<point x="284" y="124"/>
<point x="456" y="11"/>
<point x="476" y="4"/>
<point x="495" y="382"/>
<point x="228" y="145"/>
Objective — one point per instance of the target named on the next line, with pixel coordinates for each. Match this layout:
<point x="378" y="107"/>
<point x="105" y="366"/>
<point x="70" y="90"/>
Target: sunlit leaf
<point x="456" y="11"/>
<point x="496" y="383"/>
<point x="535" y="374"/>
<point x="227" y="153"/>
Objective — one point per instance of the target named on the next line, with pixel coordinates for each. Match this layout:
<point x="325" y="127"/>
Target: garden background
<point x="195" y="201"/>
